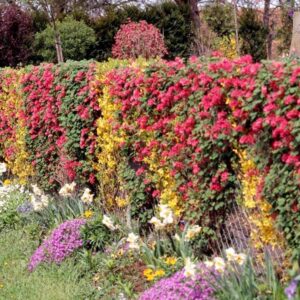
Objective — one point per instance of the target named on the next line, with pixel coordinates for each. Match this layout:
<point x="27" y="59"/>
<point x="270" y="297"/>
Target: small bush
<point x="138" y="39"/>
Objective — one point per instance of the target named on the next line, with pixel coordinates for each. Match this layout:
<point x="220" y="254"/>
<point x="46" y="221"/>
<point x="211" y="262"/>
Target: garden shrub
<point x="138" y="39"/>
<point x="176" y="133"/>
<point x="60" y="106"/>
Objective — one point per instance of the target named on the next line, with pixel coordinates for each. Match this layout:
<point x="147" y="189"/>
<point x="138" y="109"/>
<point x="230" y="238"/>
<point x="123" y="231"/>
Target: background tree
<point x="16" y="35"/>
<point x="219" y="18"/>
<point x="76" y="39"/>
<point x="253" y="34"/>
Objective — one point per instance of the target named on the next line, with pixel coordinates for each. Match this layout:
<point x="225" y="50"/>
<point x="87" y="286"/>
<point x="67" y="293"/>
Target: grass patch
<point x="47" y="282"/>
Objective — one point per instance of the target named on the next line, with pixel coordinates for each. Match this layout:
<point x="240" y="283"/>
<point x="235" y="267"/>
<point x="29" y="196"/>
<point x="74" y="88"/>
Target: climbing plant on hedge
<point x="60" y="109"/>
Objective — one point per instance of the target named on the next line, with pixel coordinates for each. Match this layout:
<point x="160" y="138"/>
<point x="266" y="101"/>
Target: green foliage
<point x="219" y="18"/>
<point x="58" y="211"/>
<point x="9" y="216"/>
<point x="253" y="34"/>
<point x="96" y="235"/>
<point x="174" y="23"/>
<point x="76" y="38"/>
<point x="141" y="209"/>
<point x="250" y="282"/>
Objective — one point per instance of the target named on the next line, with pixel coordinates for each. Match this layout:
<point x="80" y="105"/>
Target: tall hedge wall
<point x="170" y="132"/>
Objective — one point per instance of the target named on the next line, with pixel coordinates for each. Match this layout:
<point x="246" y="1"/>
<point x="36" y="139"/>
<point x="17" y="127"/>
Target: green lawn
<point x="46" y="283"/>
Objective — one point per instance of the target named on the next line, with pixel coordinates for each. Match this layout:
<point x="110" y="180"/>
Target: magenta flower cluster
<point x="179" y="287"/>
<point x="62" y="242"/>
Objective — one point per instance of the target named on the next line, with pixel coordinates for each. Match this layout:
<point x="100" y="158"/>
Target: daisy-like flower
<point x="3" y="168"/>
<point x="209" y="263"/>
<point x="44" y="200"/>
<point x="87" y="197"/>
<point x="192" y="232"/>
<point x="88" y="214"/>
<point x="36" y="190"/>
<point x="67" y="190"/>
<point x="166" y="214"/>
<point x="189" y="268"/>
<point x="158" y="224"/>
<point x="240" y="258"/>
<point x="219" y="264"/>
<point x="133" y="241"/>
<point x="230" y="254"/>
<point x="107" y="221"/>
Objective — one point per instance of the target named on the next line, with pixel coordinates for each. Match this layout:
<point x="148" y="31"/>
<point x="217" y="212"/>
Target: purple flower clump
<point x="60" y="244"/>
<point x="179" y="287"/>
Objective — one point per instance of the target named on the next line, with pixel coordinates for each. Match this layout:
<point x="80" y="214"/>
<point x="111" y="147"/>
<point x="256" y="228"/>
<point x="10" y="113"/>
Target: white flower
<point x="2" y="204"/>
<point x="67" y="190"/>
<point x="209" y="263"/>
<point x="38" y="203"/>
<point x="157" y="223"/>
<point x="230" y="254"/>
<point x="177" y="237"/>
<point x="189" y="268"/>
<point x="87" y="196"/>
<point x="36" y="190"/>
<point x="108" y="222"/>
<point x="240" y="258"/>
<point x="44" y="200"/>
<point x="3" y="168"/>
<point x="166" y="213"/>
<point x="219" y="264"/>
<point x="133" y="241"/>
<point x="192" y="232"/>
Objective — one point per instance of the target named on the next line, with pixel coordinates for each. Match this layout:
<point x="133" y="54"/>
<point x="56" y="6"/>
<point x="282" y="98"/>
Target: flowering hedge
<point x="60" y="107"/>
<point x="170" y="132"/>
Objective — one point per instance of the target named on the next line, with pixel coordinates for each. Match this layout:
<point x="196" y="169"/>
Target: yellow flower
<point x="159" y="273"/>
<point x="171" y="260"/>
<point x="6" y="182"/>
<point x="148" y="273"/>
<point x="88" y="214"/>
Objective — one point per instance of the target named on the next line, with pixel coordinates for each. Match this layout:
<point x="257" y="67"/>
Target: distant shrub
<point x="138" y="39"/>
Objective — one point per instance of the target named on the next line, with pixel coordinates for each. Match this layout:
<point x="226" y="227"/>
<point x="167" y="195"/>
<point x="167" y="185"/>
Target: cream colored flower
<point x="107" y="221"/>
<point x="157" y="223"/>
<point x="189" y="268"/>
<point x="230" y="254"/>
<point x="240" y="258"/>
<point x="36" y="204"/>
<point x="67" y="190"/>
<point x="209" y="263"/>
<point x="192" y="232"/>
<point x="3" y="168"/>
<point x="87" y="197"/>
<point x="133" y="241"/>
<point x="177" y="237"/>
<point x="39" y="203"/>
<point x="219" y="264"/>
<point x="44" y="200"/>
<point x="36" y="190"/>
<point x="166" y="214"/>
